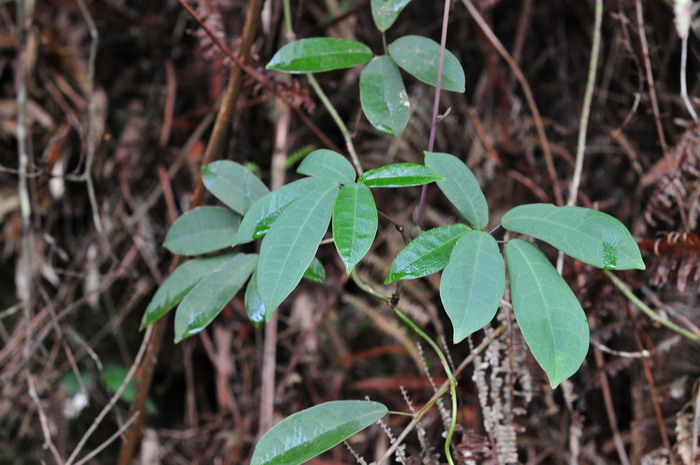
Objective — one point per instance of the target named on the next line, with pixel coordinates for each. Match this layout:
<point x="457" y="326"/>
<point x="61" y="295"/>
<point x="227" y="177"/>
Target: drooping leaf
<point x="473" y="283"/>
<point x="460" y="187"/>
<point x="179" y="283"/>
<point x="354" y="223"/>
<point x="329" y="165"/>
<point x="383" y="96"/>
<point x="254" y="306"/>
<point x="202" y="230"/>
<point x="306" y="434"/>
<point x="550" y="317"/>
<point x="315" y="272"/>
<point x="292" y="242"/>
<point x="587" y="235"/>
<point x="263" y="212"/>
<point x="399" y="175"/>
<point x="233" y="184"/>
<point x="211" y="294"/>
<point x="426" y="254"/>
<point x="419" y="57"/>
<point x="385" y="12"/>
<point x="319" y="54"/>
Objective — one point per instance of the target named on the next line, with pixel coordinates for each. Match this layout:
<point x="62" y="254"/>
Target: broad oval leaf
<point x="292" y="242"/>
<point x="419" y="57"/>
<point x="179" y="283"/>
<point x="550" y="317"/>
<point x="233" y="184"/>
<point x="460" y="187"/>
<point x="426" y="254"/>
<point x="263" y="212"/>
<point x="329" y="165"/>
<point x="202" y="230"/>
<point x="315" y="272"/>
<point x="385" y="12"/>
<point x="473" y="283"/>
<point x="210" y="296"/>
<point x="383" y="96"/>
<point x="319" y="54"/>
<point x="354" y="223"/>
<point x="254" y="306"/>
<point x="306" y="434"/>
<point x="399" y="175"/>
<point x="587" y="235"/>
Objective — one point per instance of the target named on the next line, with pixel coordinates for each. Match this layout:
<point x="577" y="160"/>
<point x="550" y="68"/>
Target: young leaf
<point x="587" y="235"/>
<point x="254" y="307"/>
<point x="202" y="230"/>
<point x="473" y="283"/>
<point x="385" y="12"/>
<point x="460" y="187"/>
<point x="329" y="165"/>
<point x="419" y="57"/>
<point x="306" y="434"/>
<point x="179" y="283"/>
<point x="426" y="254"/>
<point x="399" y="175"/>
<point x="210" y="296"/>
<point x="354" y="223"/>
<point x="263" y="212"/>
<point x="315" y="272"/>
<point x="550" y="317"/>
<point x="383" y="96"/>
<point x="233" y="184"/>
<point x="292" y="242"/>
<point x="319" y="54"/>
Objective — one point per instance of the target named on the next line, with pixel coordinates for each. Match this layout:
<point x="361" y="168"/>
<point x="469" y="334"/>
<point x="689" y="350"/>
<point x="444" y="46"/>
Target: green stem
<point x="364" y="287"/>
<point x="287" y="16"/>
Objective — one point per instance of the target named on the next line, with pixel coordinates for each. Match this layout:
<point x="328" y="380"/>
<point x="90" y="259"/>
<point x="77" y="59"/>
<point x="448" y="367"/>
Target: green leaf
<point x="202" y="230"/>
<point x="315" y="272"/>
<point x="179" y="283"/>
<point x="292" y="242"/>
<point x="114" y="376"/>
<point x="460" y="187"/>
<point x="419" y="57"/>
<point x="587" y="235"/>
<point x="551" y="318"/>
<point x="473" y="283"/>
<point x="233" y="184"/>
<point x="385" y="12"/>
<point x="211" y="294"/>
<point x="426" y="254"/>
<point x="329" y="165"/>
<point x="354" y="223"/>
<point x="319" y="54"/>
<point x="399" y="175"/>
<point x="263" y="212"/>
<point x="383" y="96"/>
<point x="254" y="306"/>
<point x="306" y="434"/>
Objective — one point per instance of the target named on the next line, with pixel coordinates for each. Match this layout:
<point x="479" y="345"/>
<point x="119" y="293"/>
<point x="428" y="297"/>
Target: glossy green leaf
<point x="319" y="54"/>
<point x="587" y="235"/>
<point x="473" y="283"/>
<point x="292" y="242"/>
<point x="385" y="12"/>
<point x="306" y="434"/>
<point x="460" y="187"/>
<point x="354" y="223"/>
<point x="179" y="283"/>
<point x="329" y="165"/>
<point x="233" y="184"/>
<point x="254" y="306"/>
<point x="211" y="294"/>
<point x="202" y="230"/>
<point x="263" y="212"/>
<point x="550" y="317"/>
<point x="419" y="57"/>
<point x="315" y="272"/>
<point x="383" y="96"/>
<point x="426" y="254"/>
<point x="399" y="175"/>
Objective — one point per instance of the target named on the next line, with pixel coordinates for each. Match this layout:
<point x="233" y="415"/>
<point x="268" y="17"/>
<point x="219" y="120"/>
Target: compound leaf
<point x="550" y="317"/>
<point x="399" y="175"/>
<point x="385" y="12"/>
<point x="306" y="434"/>
<point x="587" y="235"/>
<point x="202" y="230"/>
<point x="233" y="184"/>
<point x="383" y="96"/>
<point x="419" y="57"/>
<point x="473" y="283"/>
<point x="354" y="223"/>
<point x="319" y="54"/>
<point x="329" y="165"/>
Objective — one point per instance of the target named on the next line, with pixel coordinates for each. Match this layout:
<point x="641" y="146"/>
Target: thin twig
<point x="48" y="442"/>
<point x="684" y="84"/>
<point x="109" y="440"/>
